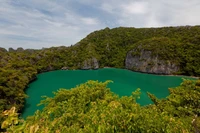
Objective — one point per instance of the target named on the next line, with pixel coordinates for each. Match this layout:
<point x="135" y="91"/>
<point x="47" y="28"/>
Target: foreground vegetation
<point x="92" y="107"/>
<point x="109" y="46"/>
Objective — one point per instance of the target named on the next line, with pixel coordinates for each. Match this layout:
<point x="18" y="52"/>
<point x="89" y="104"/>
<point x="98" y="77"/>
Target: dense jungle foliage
<point x="93" y="108"/>
<point x="109" y="46"/>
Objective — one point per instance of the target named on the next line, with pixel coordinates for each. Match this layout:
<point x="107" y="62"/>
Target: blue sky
<point x="46" y="23"/>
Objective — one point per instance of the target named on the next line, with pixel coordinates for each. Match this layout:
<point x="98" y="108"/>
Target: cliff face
<point x="90" y="64"/>
<point x="148" y="63"/>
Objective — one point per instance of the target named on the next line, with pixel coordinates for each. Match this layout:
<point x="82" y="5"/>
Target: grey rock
<point x="30" y="50"/>
<point x="20" y="49"/>
<point x="3" y="49"/>
<point x="64" y="68"/>
<point x="95" y="63"/>
<point x="11" y="50"/>
<point x="145" y="62"/>
<point x="90" y="64"/>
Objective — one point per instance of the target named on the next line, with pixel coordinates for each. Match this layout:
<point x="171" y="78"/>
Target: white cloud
<point x="89" y="21"/>
<point x="46" y="23"/>
<point x="152" y="13"/>
<point x="135" y="8"/>
<point x="107" y="7"/>
<point x="34" y="29"/>
<point x="153" y="22"/>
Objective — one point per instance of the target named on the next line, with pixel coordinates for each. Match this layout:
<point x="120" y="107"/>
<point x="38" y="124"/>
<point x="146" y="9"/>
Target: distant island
<point x="166" y="50"/>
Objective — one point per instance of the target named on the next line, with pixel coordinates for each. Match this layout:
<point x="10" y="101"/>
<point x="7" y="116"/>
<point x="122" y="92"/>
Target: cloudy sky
<point x="46" y="23"/>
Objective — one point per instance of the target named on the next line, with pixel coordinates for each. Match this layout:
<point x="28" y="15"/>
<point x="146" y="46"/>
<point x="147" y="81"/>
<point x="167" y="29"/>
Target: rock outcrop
<point x="146" y="62"/>
<point x="90" y="64"/>
<point x="11" y="50"/>
<point x="64" y="68"/>
<point x="30" y="50"/>
<point x="3" y="49"/>
<point x="20" y="49"/>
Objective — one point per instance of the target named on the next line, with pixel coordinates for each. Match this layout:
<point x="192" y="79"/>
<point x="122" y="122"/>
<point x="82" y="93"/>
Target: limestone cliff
<point x="147" y="62"/>
<point x="90" y="64"/>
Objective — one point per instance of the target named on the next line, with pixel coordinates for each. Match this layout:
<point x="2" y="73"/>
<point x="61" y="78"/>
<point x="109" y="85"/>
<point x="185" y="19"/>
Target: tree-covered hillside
<point x="167" y="50"/>
<point x="180" y="45"/>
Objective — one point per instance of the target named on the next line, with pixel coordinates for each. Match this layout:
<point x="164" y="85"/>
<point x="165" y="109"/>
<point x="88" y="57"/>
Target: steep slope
<point x="156" y="55"/>
<point x="173" y="50"/>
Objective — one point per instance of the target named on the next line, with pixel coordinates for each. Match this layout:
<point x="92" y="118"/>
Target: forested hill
<point x="178" y="45"/>
<point x="167" y="50"/>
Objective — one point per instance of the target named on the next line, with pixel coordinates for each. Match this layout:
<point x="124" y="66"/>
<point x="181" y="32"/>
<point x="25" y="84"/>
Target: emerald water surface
<point x="125" y="82"/>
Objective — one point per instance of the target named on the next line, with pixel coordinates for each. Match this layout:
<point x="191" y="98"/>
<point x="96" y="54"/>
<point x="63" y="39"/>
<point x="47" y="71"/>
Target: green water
<point x="125" y="82"/>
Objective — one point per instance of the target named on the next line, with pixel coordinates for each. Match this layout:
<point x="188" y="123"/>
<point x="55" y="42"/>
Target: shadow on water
<point x="25" y="108"/>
